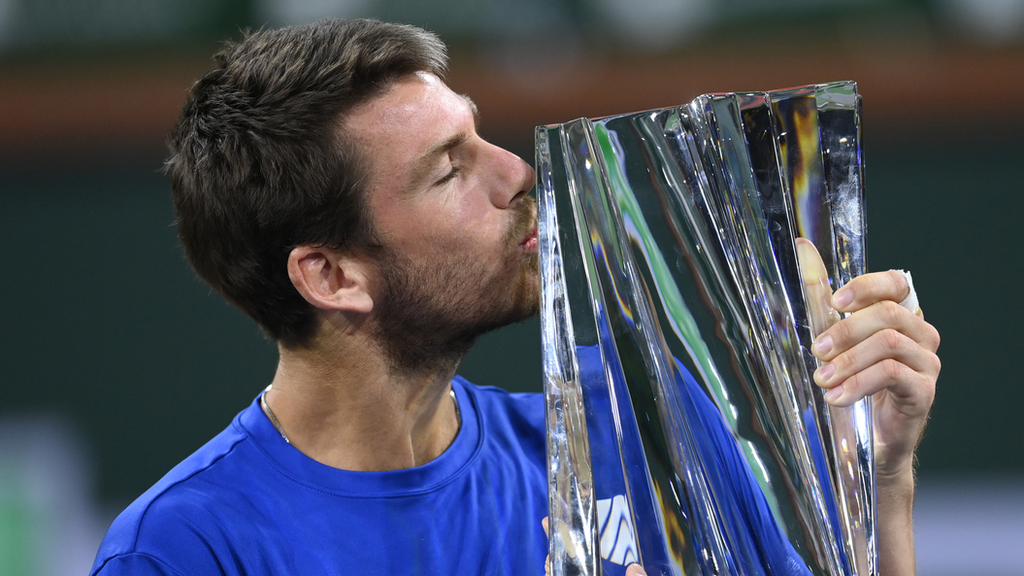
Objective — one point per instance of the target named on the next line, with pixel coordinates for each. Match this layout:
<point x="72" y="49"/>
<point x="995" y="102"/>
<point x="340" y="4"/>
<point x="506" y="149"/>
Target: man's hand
<point x="885" y="350"/>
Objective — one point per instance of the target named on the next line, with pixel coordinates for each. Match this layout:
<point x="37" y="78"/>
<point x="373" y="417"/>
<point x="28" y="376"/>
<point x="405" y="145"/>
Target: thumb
<point x="635" y="570"/>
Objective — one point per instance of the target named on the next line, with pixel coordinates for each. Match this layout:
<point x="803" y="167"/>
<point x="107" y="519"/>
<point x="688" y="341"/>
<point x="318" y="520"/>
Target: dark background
<point x="104" y="324"/>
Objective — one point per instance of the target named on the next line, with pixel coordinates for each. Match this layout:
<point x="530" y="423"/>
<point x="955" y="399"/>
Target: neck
<point x="340" y="404"/>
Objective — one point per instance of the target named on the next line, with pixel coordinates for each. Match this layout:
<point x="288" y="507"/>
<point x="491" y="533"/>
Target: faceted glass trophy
<point x="687" y="257"/>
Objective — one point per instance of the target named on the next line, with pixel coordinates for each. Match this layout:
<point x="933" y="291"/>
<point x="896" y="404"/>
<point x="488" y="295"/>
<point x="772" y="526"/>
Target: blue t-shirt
<point x="249" y="503"/>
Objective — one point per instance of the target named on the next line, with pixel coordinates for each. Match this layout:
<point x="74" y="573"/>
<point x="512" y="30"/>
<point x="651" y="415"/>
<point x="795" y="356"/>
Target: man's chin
<point x="531" y="291"/>
<point x="525" y="302"/>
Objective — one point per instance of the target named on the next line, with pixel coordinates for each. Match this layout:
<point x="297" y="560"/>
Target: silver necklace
<point x="280" y="429"/>
<point x="458" y="411"/>
<point x="270" y="413"/>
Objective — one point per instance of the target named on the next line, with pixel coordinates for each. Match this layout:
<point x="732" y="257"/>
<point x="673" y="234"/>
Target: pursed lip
<point x="527" y="223"/>
<point x="530" y="242"/>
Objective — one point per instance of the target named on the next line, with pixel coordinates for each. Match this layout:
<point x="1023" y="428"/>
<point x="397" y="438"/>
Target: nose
<point x="516" y="181"/>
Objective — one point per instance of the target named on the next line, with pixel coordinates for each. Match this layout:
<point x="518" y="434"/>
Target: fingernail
<point x="823" y="345"/>
<point x="843" y="298"/>
<point x="834" y="394"/>
<point x="636" y="570"/>
<point x="825" y="371"/>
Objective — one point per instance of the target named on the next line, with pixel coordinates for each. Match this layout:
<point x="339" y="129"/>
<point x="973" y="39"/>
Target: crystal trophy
<point x="687" y="256"/>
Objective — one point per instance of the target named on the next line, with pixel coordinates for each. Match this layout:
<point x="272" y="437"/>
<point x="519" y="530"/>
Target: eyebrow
<point x="421" y="170"/>
<point x="474" y="109"/>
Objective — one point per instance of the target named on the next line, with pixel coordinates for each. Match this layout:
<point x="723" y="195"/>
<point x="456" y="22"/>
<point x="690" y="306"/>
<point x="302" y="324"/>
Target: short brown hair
<point x="259" y="163"/>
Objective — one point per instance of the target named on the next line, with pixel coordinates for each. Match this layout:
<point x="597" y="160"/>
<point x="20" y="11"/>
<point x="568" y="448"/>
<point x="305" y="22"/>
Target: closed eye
<point x="449" y="176"/>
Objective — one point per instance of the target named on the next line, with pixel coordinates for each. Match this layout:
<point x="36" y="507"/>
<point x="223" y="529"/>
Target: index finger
<point x="869" y="289"/>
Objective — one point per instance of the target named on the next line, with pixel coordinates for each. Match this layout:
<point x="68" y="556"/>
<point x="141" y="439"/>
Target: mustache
<point x="524" y="219"/>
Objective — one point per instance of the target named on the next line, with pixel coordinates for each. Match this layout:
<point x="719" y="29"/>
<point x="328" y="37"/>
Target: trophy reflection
<point x="687" y="256"/>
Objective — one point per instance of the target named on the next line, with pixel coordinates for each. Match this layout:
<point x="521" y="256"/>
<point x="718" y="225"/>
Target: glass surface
<point x="685" y="432"/>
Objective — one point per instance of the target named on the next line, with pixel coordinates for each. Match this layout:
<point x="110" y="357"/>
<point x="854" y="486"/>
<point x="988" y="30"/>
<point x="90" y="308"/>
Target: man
<point x="330" y="184"/>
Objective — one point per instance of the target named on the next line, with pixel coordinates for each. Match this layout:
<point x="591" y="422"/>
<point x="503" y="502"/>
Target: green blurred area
<point x="104" y="323"/>
<point x="69" y="27"/>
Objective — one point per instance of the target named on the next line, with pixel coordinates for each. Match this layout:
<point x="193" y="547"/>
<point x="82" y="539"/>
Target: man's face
<point x="459" y="232"/>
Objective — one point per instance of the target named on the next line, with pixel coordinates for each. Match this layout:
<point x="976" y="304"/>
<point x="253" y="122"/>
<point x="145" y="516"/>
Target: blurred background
<point x="115" y="363"/>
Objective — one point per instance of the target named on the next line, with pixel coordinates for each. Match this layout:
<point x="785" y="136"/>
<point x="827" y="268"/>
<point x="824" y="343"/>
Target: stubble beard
<point x="431" y="313"/>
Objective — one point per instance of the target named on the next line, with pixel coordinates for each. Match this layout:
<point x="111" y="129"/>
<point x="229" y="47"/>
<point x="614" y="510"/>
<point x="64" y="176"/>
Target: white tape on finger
<point x="910" y="302"/>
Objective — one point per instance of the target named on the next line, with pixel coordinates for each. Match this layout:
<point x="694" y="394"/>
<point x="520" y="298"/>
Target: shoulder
<point x="176" y="519"/>
<point x="511" y="422"/>
<point x="523" y="411"/>
<point x="136" y="564"/>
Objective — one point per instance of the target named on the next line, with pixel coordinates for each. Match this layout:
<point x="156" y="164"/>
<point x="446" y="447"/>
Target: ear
<point x="329" y="280"/>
